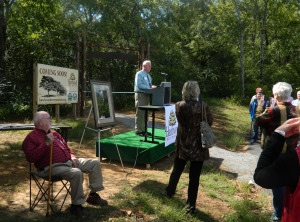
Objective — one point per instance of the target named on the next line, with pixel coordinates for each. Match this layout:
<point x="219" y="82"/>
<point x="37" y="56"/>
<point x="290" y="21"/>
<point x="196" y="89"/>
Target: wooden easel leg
<point x="87" y="120"/>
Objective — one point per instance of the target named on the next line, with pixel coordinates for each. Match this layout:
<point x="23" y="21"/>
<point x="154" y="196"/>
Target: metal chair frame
<point x="42" y="193"/>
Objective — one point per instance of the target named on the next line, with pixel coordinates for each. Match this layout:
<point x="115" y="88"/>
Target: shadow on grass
<point x="153" y="188"/>
<point x="163" y="164"/>
<point x="215" y="163"/>
<point x="92" y="213"/>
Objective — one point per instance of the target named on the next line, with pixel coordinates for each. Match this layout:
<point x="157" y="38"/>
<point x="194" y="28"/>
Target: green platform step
<point x="129" y="145"/>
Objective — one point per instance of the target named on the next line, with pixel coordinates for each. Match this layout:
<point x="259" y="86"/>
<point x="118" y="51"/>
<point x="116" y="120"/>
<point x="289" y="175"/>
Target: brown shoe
<point x="77" y="210"/>
<point x="95" y="199"/>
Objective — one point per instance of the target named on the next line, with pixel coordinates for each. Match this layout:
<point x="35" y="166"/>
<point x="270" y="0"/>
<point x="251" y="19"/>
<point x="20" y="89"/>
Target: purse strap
<point x="204" y="111"/>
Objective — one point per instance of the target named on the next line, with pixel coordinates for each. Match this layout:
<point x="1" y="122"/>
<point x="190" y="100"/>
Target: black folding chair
<point x="43" y="190"/>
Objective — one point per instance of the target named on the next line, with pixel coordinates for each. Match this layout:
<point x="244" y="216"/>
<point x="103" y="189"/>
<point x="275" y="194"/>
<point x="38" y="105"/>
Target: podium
<point x="153" y="109"/>
<point x="161" y="96"/>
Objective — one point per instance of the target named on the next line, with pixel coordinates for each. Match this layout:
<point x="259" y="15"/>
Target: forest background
<point x="230" y="47"/>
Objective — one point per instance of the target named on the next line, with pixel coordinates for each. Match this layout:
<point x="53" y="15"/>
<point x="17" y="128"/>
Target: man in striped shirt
<point x="65" y="164"/>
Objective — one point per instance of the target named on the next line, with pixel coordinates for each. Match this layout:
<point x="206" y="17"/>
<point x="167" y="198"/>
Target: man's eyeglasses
<point x="48" y="118"/>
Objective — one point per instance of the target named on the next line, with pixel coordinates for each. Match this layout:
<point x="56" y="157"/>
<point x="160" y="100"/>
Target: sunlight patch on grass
<point x="233" y="122"/>
<point x="233" y="140"/>
<point x="218" y="182"/>
<point x="247" y="211"/>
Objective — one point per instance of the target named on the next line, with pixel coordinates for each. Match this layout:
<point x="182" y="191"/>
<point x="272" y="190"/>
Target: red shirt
<point x="37" y="152"/>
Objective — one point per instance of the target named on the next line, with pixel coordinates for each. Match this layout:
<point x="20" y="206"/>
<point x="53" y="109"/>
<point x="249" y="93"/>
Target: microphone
<point x="165" y="74"/>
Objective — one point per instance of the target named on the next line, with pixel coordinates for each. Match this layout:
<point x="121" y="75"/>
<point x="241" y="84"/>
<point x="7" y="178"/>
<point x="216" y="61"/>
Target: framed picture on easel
<point x="103" y="105"/>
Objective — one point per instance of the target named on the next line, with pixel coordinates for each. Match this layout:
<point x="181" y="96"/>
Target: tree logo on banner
<point x="172" y="118"/>
<point x="72" y="76"/>
<point x="49" y="84"/>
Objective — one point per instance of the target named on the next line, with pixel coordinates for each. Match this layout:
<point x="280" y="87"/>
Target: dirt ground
<point x="14" y="178"/>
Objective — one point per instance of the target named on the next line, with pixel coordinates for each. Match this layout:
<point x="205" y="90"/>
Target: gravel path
<point x="241" y="165"/>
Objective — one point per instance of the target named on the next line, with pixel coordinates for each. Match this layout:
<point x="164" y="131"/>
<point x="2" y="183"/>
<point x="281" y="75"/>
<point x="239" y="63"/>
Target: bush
<point x="15" y="111"/>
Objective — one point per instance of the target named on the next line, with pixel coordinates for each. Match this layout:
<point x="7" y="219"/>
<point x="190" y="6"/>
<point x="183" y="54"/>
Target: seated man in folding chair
<point x="36" y="147"/>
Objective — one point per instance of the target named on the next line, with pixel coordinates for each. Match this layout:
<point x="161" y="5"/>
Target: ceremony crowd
<point x="274" y="123"/>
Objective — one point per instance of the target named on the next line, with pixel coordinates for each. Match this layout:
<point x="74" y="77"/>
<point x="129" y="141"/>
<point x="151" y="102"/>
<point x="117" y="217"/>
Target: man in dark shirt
<point x="36" y="147"/>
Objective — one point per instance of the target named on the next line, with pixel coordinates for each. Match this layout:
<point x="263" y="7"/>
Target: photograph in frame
<point x="104" y="113"/>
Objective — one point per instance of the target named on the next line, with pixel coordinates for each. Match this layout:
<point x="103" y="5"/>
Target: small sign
<point x="171" y="125"/>
<point x="56" y="85"/>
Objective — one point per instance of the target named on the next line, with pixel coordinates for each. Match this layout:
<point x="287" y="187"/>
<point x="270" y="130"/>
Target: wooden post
<point x="83" y="75"/>
<point x="57" y="117"/>
<point x="76" y="107"/>
<point x="74" y="110"/>
<point x="35" y="107"/>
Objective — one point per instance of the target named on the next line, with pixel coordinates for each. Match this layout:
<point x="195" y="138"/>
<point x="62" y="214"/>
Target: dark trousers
<point x="278" y="197"/>
<point x="194" y="176"/>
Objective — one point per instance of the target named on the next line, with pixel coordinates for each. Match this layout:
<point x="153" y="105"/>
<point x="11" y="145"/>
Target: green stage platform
<point x="128" y="144"/>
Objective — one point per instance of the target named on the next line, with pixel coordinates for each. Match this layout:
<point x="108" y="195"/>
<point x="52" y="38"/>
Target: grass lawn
<point x="133" y="194"/>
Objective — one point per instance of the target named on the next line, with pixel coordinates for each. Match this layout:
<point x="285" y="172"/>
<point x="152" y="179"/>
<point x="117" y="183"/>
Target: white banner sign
<point x="56" y="85"/>
<point x="171" y="125"/>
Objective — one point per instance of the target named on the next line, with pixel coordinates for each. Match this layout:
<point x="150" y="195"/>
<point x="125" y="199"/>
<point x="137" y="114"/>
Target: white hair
<point x="283" y="90"/>
<point x="146" y="62"/>
<point x="38" y="116"/>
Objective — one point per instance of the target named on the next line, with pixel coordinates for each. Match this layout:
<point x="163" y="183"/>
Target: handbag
<point x="208" y="138"/>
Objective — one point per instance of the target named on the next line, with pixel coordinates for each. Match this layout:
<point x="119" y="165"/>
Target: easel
<point x="99" y="130"/>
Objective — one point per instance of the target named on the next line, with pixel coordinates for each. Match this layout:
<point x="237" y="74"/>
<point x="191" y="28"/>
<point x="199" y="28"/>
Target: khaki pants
<point x="75" y="177"/>
<point x="141" y="99"/>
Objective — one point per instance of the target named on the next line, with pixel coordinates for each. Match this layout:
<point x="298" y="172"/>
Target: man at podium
<point x="142" y="82"/>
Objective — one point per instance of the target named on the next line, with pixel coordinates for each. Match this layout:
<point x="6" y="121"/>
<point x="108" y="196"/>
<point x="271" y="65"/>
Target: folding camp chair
<point x="43" y="190"/>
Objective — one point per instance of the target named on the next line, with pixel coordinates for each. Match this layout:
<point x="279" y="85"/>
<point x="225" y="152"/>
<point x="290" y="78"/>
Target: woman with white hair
<point x="188" y="146"/>
<point x="269" y="120"/>
<point x="273" y="117"/>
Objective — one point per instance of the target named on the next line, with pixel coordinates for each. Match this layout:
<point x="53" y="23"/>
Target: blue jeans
<point x="255" y="132"/>
<point x="278" y="197"/>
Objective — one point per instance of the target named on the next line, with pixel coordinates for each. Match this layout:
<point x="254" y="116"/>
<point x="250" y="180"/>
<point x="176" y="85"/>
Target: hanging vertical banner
<point x="56" y="85"/>
<point x="171" y="125"/>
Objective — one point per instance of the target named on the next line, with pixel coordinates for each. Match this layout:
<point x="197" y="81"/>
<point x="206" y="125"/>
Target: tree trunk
<point x="261" y="54"/>
<point x="253" y="36"/>
<point x="2" y="40"/>
<point x="241" y="48"/>
<point x="83" y="76"/>
<point x="262" y="32"/>
<point x="4" y="13"/>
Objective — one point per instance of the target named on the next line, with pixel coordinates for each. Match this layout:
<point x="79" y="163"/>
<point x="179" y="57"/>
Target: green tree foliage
<point x="197" y="40"/>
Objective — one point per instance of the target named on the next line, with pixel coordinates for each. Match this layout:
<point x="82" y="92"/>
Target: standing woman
<point x="188" y="142"/>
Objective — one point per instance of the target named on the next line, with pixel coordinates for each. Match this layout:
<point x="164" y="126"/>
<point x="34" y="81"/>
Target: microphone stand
<point x="164" y="74"/>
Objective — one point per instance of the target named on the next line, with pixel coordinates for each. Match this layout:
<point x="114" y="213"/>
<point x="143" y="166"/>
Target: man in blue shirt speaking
<point x="142" y="82"/>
